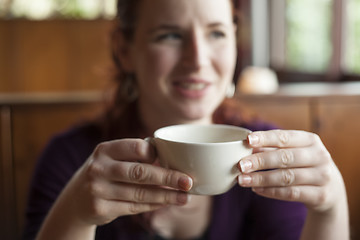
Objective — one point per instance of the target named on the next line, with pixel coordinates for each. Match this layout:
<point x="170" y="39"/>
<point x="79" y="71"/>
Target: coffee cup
<point x="209" y="154"/>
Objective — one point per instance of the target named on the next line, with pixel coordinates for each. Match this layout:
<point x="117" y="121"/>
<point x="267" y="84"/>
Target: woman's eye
<point x="217" y="34"/>
<point x="169" y="37"/>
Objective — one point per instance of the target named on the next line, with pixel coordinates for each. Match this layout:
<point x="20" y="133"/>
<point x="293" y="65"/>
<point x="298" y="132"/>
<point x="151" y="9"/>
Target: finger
<point x="309" y="195"/>
<point x="127" y="150"/>
<point x="286" y="177"/>
<point x="136" y="208"/>
<point x="281" y="138"/>
<point x="142" y="173"/>
<point x="264" y="149"/>
<point x="282" y="158"/>
<point x="140" y="194"/>
<point x="120" y="208"/>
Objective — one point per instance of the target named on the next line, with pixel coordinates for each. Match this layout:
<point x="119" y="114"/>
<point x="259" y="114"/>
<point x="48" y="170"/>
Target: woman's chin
<point x="198" y="115"/>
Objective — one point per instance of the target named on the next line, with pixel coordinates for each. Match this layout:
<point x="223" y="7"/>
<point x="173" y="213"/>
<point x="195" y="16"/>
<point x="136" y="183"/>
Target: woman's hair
<point x="120" y="110"/>
<point x="123" y="30"/>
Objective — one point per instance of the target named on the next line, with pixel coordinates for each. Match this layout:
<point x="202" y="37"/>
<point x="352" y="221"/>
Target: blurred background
<point x="298" y="66"/>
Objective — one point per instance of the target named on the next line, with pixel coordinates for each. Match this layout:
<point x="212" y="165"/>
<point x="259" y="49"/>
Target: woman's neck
<point x="152" y="121"/>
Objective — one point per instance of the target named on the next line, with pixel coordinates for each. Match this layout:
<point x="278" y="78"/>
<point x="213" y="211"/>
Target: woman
<point x="103" y="181"/>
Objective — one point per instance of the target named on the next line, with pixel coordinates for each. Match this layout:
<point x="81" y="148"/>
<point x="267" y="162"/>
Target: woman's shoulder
<point x="79" y="135"/>
<point x="84" y="131"/>
<point x="73" y="145"/>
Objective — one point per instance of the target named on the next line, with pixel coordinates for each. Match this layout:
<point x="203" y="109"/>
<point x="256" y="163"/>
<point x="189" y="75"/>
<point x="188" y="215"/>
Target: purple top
<point x="237" y="214"/>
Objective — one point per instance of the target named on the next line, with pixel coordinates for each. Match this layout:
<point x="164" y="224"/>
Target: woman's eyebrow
<point x="217" y="24"/>
<point x="164" y="27"/>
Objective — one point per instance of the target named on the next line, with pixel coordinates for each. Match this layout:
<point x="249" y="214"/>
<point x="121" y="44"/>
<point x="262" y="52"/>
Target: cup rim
<point x="223" y="126"/>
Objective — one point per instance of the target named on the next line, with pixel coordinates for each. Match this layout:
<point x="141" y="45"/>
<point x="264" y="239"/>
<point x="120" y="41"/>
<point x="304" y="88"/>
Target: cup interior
<point x="198" y="134"/>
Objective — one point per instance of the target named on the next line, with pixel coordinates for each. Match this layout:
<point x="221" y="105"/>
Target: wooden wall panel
<point x="2" y="183"/>
<point x="39" y="56"/>
<point x="33" y="126"/>
<point x="4" y="52"/>
<point x="340" y="131"/>
<point x="54" y="56"/>
<point x="90" y="61"/>
<point x="286" y="113"/>
<point x="7" y="186"/>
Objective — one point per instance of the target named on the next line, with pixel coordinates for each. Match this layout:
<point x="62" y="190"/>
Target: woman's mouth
<point x="191" y="88"/>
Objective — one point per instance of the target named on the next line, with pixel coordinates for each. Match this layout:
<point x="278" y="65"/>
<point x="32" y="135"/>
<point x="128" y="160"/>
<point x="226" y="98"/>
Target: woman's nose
<point x="196" y="52"/>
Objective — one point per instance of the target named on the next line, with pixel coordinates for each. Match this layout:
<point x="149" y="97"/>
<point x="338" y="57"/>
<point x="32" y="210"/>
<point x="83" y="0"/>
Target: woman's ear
<point x="235" y="26"/>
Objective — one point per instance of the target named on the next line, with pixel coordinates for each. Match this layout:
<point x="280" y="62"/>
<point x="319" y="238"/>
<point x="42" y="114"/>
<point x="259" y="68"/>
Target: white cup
<point x="209" y="154"/>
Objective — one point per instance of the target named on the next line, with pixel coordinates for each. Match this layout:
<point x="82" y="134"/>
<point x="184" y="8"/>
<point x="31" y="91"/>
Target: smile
<point x="192" y="88"/>
<point x="192" y="85"/>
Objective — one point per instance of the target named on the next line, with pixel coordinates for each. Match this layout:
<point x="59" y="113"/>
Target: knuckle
<point x="258" y="179"/>
<point x="294" y="193"/>
<point x="326" y="174"/>
<point x="324" y="155"/>
<point x="315" y="138"/>
<point x="167" y="198"/>
<point x="134" y="208"/>
<point x="137" y="148"/>
<point x="287" y="157"/>
<point x="99" y="150"/>
<point x="322" y="197"/>
<point x="94" y="170"/>
<point x="139" y="194"/>
<point x="283" y="137"/>
<point x="94" y="189"/>
<point x="259" y="161"/>
<point x="262" y="137"/>
<point x="288" y="177"/>
<point x="137" y="172"/>
<point x="167" y="178"/>
<point x="97" y="209"/>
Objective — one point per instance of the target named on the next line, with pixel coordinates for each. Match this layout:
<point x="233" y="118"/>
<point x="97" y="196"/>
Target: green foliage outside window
<point x="49" y="9"/>
<point x="352" y="34"/>
<point x="308" y="38"/>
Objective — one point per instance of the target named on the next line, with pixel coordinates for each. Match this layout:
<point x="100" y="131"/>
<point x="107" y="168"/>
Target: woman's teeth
<point x="192" y="86"/>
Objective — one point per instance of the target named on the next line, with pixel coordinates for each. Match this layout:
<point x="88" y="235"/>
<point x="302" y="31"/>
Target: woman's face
<point x="183" y="55"/>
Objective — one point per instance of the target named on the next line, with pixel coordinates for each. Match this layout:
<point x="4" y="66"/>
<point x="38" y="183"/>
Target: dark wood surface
<point x="54" y="55"/>
<point x="340" y="131"/>
<point x="25" y="130"/>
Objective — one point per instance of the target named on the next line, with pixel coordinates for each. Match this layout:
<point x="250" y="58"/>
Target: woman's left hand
<point x="299" y="168"/>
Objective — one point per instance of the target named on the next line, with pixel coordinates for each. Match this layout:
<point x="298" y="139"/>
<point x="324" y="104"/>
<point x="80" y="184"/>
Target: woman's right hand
<point x="118" y="179"/>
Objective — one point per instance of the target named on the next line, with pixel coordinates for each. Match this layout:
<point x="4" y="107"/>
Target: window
<point x="308" y="35"/>
<point x="48" y="9"/>
<point x="310" y="40"/>
<point x="352" y="40"/>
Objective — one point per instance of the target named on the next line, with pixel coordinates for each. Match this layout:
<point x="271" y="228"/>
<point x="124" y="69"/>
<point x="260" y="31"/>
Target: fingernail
<point x="182" y="198"/>
<point x="253" y="139"/>
<point x="185" y="183"/>
<point x="245" y="165"/>
<point x="244" y="180"/>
